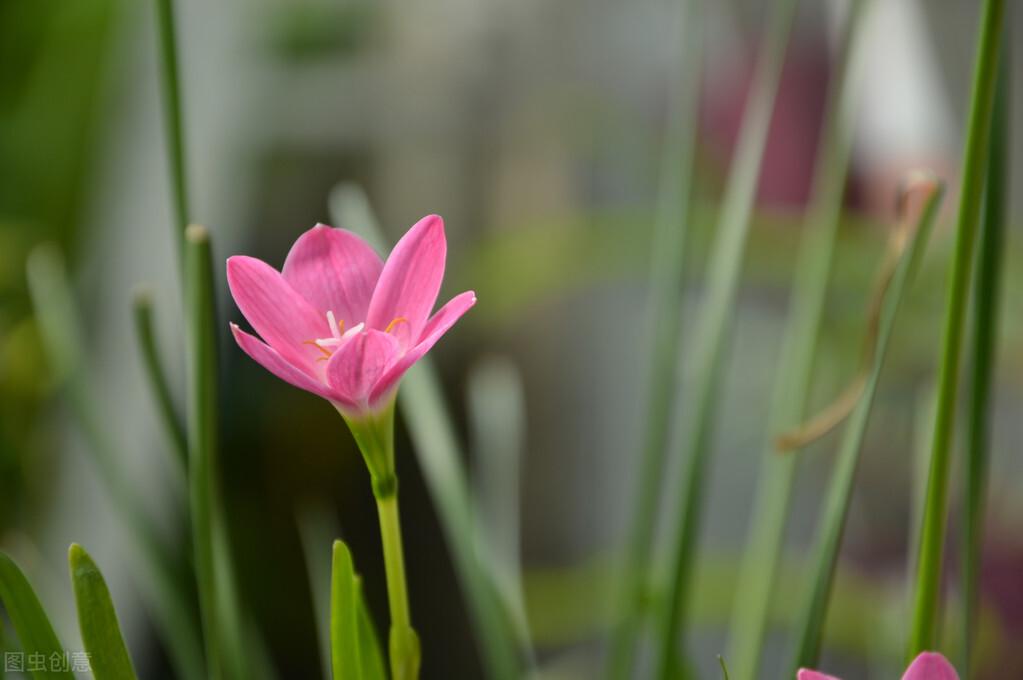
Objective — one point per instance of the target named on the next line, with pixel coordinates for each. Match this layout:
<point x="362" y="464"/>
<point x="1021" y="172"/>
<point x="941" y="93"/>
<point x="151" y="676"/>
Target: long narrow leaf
<point x="809" y="631"/>
<point x="316" y="529"/>
<point x="664" y="319"/>
<point x="97" y="620"/>
<point x="987" y="293"/>
<point x="166" y="590"/>
<point x="793" y="377"/>
<point x="421" y="402"/>
<point x="344" y="616"/>
<point x="370" y="654"/>
<point x="932" y="535"/>
<point x="30" y="621"/>
<point x="142" y="313"/>
<point x="174" y="127"/>
<point x="222" y="625"/>
<point x="713" y="326"/>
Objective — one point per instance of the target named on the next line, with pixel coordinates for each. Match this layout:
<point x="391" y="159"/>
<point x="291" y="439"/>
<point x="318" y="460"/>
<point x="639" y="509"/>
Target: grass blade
<point x="172" y="116"/>
<point x="218" y="600"/>
<point x="142" y="313"/>
<point x="664" y="332"/>
<point x="932" y="535"/>
<point x="714" y="323"/>
<point x="497" y="422"/>
<point x="97" y="620"/>
<point x="373" y="666"/>
<point x="987" y="293"/>
<point x="344" y="616"/>
<point x="29" y="619"/>
<point x="812" y="613"/>
<point x="793" y="378"/>
<point x="439" y="454"/>
<point x="166" y="589"/>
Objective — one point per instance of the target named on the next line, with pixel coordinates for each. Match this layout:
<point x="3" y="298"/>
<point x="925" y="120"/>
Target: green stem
<point x="793" y="379"/>
<point x="714" y="324"/>
<point x="985" y="339"/>
<point x="932" y="539"/>
<point x="374" y="434"/>
<point x="394" y="561"/>
<point x="157" y="377"/>
<point x="172" y="115"/>
<point x="665" y="313"/>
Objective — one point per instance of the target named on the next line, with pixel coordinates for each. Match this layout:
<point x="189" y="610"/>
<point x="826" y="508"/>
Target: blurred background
<point x="536" y="129"/>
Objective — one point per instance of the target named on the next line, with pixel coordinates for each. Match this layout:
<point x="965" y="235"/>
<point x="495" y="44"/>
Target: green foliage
<point x="29" y="619"/>
<point x="355" y="652"/>
<point x="97" y="620"/>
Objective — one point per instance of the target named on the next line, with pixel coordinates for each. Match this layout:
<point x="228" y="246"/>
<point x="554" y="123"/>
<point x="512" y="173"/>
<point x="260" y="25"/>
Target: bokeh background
<point x="536" y="129"/>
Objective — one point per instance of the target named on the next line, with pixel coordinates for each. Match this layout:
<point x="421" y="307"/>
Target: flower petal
<point x="282" y="317"/>
<point x="930" y="666"/>
<point x="267" y="357"/>
<point x="410" y="281"/>
<point x="357" y="365"/>
<point x="805" y="674"/>
<point x="438" y="325"/>
<point x="334" y="270"/>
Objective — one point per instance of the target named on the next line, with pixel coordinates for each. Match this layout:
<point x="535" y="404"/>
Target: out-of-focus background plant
<point x="544" y="134"/>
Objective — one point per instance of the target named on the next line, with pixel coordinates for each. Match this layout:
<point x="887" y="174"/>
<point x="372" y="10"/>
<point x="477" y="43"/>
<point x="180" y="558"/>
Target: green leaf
<point x="344" y="616"/>
<point x="814" y="608"/>
<point x="354" y="647"/>
<point x="371" y="657"/>
<point x="97" y="620"/>
<point x="714" y="331"/>
<point x="29" y="619"/>
<point x="791" y="389"/>
<point x="923" y="632"/>
<point x="985" y="323"/>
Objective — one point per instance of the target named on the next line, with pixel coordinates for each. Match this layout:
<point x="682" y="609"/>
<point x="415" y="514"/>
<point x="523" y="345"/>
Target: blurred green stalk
<point x="664" y="332"/>
<point x="421" y="402"/>
<point x="142" y="313"/>
<point x="167" y="593"/>
<point x="813" y="611"/>
<point x="713" y="327"/>
<point x="214" y="572"/>
<point x="173" y="116"/>
<point x="932" y="535"/>
<point x="987" y="296"/>
<point x="793" y="379"/>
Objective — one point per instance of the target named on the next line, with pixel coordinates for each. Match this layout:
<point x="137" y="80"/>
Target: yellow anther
<point x="397" y="320"/>
<point x="318" y="346"/>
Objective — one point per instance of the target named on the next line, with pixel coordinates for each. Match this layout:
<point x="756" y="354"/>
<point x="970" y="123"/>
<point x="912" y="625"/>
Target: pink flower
<point x="339" y="322"/>
<point x="926" y="666"/>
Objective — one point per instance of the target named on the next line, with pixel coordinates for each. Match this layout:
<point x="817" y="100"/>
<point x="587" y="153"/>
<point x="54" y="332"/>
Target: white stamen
<point x="333" y="324"/>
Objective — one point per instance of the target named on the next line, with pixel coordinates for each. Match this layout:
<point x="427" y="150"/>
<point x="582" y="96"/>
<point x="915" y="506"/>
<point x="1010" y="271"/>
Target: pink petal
<point x="930" y="666"/>
<point x="359" y="363"/>
<point x="805" y="674"/>
<point x="410" y="281"/>
<point x="334" y="270"/>
<point x="438" y="325"/>
<point x="271" y="360"/>
<point x="282" y="317"/>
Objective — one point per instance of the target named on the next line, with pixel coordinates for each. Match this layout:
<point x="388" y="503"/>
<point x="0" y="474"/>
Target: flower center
<point x="338" y="335"/>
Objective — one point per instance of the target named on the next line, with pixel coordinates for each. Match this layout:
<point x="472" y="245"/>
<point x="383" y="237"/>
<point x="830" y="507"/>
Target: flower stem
<point x="932" y="537"/>
<point x="374" y="434"/>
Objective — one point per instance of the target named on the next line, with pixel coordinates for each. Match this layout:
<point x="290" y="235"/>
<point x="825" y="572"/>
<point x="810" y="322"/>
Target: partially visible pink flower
<point x="339" y="322"/>
<point x="926" y="666"/>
